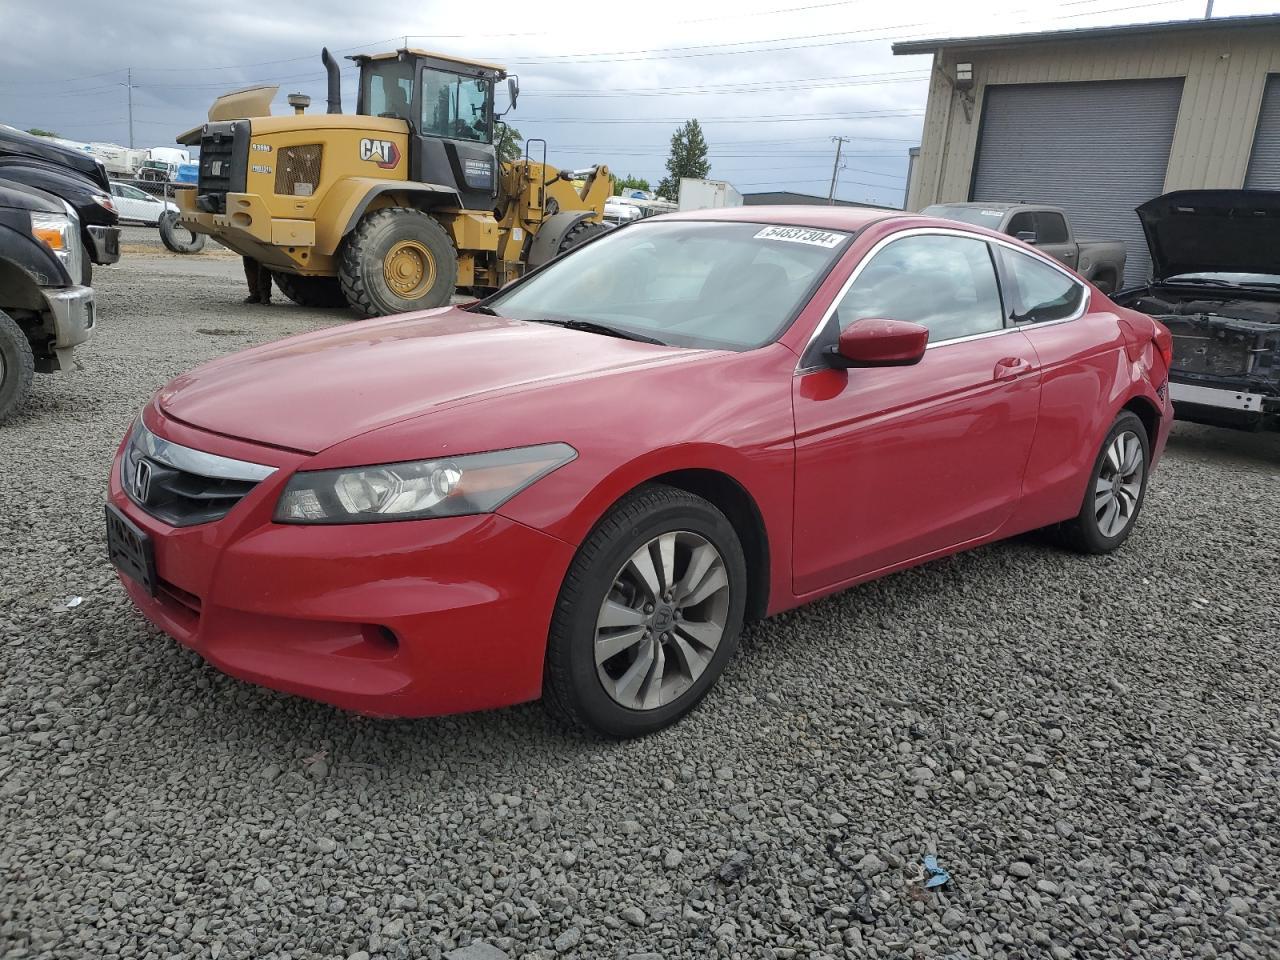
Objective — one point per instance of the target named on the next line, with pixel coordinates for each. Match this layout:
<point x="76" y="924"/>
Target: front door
<point x="895" y="463"/>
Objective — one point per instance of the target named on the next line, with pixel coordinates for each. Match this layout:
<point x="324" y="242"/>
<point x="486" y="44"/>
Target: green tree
<point x="688" y="159"/>
<point x="509" y="141"/>
<point x="629" y="183"/>
<point x="41" y="132"/>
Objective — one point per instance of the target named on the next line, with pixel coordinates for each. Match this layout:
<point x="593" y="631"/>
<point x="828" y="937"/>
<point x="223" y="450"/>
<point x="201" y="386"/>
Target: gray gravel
<point x="1089" y="746"/>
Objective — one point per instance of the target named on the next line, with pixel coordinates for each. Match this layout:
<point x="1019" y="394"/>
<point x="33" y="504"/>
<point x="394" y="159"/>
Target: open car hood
<point x="1213" y="231"/>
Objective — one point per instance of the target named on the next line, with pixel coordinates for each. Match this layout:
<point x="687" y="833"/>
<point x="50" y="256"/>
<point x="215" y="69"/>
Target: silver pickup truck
<point x="1101" y="262"/>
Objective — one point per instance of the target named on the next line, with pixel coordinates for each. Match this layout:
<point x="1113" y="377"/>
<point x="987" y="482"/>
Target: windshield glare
<point x="734" y="286"/>
<point x="978" y="216"/>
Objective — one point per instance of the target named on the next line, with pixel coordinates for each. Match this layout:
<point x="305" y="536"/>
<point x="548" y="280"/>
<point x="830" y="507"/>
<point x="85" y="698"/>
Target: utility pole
<point x="835" y="169"/>
<point x="129" y="85"/>
<point x="1208" y="10"/>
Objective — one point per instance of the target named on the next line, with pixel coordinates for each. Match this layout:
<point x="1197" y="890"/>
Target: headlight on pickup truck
<point x="416" y="490"/>
<point x="61" y="234"/>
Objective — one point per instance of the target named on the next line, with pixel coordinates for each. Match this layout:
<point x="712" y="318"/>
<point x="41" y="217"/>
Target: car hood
<point x="16" y="143"/>
<point x="309" y="392"/>
<point x="1213" y="231"/>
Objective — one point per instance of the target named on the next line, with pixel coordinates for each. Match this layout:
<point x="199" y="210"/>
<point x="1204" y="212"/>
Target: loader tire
<point x="320" y="292"/>
<point x="177" y="238"/>
<point x="581" y="233"/>
<point x="397" y="260"/>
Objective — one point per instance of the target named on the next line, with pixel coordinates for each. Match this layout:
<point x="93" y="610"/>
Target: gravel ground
<point x="1089" y="746"/>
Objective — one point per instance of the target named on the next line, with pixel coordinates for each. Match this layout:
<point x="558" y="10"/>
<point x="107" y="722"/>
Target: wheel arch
<point x="1147" y="412"/>
<point x="353" y="198"/>
<point x="552" y="230"/>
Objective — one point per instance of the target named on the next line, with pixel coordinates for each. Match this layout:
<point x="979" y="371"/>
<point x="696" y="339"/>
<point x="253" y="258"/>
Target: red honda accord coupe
<point x="580" y="487"/>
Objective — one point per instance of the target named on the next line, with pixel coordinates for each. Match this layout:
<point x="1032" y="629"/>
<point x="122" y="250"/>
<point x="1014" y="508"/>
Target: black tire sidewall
<point x="575" y="626"/>
<point x="582" y="233"/>
<point x="372" y="241"/>
<point x="1087" y="522"/>
<point x="321" y="293"/>
<point x="19" y="364"/>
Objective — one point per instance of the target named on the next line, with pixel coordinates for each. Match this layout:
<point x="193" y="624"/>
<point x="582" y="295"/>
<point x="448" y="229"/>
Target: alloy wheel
<point x="662" y="620"/>
<point x="1119" y="484"/>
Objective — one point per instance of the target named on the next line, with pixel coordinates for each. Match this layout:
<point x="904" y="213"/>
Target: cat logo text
<point x="382" y="152"/>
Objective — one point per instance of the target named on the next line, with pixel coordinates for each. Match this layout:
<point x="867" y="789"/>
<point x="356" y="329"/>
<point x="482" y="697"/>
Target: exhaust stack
<point x="335" y="81"/>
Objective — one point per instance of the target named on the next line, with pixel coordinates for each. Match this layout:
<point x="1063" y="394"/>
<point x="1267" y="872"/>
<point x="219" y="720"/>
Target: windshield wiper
<point x="590" y="326"/>
<point x="481" y="308"/>
<point x="1203" y="281"/>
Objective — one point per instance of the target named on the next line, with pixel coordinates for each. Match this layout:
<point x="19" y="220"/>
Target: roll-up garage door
<point x="1096" y="149"/>
<point x="1264" y="162"/>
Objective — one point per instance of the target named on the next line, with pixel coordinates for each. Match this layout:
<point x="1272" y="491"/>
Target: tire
<point x="86" y="268"/>
<point x="580" y="233"/>
<point x="1106" y="282"/>
<point x="1089" y="532"/>
<point x="397" y="243"/>
<point x="17" y="364"/>
<point x="320" y="292"/>
<point x="600" y="697"/>
<point x="177" y="238"/>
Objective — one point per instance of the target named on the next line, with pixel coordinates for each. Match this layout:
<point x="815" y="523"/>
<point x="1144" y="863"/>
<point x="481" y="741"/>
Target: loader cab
<point x="449" y="106"/>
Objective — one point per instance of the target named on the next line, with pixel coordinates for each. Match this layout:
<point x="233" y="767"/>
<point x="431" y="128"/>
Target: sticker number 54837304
<point x="815" y="238"/>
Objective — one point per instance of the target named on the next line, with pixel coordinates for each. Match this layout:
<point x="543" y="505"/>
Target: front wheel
<point x="1116" y="491"/>
<point x="648" y="615"/>
<point x="322" y="292"/>
<point x="17" y="363"/>
<point x="397" y="260"/>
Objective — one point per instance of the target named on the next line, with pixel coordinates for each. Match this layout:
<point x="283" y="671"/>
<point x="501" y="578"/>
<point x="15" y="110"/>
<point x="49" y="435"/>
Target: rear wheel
<point x="1106" y="282"/>
<point x="17" y="364"/>
<point x="648" y="614"/>
<point x="397" y="260"/>
<point x="311" y="291"/>
<point x="580" y="233"/>
<point x="1116" y="491"/>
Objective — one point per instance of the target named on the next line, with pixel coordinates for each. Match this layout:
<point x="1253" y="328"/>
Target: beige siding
<point x="1224" y="70"/>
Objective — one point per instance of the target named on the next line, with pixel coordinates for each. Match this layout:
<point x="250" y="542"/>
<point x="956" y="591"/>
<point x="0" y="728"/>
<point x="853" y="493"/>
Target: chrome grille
<point x="181" y="486"/>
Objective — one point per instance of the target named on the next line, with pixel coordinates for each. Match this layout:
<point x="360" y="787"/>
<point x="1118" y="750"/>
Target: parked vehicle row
<point x="76" y="178"/>
<point x="580" y="487"/>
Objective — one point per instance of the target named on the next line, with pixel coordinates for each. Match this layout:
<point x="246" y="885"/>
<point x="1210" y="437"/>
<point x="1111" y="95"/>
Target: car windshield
<point x="1235" y="279"/>
<point x="713" y="285"/>
<point x="978" y="216"/>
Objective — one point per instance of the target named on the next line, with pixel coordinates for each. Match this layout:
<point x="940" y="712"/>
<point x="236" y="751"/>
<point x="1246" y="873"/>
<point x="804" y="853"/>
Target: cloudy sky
<point x="772" y="81"/>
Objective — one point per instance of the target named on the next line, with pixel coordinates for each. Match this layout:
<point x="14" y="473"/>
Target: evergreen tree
<point x="688" y="159"/>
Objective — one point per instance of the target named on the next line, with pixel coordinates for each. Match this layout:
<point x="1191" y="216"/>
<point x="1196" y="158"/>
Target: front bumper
<point x="404" y="619"/>
<point x="104" y="244"/>
<point x="74" y="314"/>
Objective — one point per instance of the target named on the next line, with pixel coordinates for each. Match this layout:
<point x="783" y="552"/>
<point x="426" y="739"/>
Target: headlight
<point x="448" y="487"/>
<point x="61" y="234"/>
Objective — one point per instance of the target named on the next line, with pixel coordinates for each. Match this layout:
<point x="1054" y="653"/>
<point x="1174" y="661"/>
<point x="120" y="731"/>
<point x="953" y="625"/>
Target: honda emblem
<point x="142" y="481"/>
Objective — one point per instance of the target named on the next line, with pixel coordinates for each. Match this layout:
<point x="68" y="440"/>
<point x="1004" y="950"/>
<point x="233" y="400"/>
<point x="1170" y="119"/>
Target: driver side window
<point x="943" y="282"/>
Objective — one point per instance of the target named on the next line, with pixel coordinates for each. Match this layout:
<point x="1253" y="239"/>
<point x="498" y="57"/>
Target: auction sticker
<point x="815" y="238"/>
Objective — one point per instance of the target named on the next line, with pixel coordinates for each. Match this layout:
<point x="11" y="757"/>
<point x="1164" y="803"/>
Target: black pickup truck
<point x="1215" y="257"/>
<point x="44" y="311"/>
<point x="75" y="177"/>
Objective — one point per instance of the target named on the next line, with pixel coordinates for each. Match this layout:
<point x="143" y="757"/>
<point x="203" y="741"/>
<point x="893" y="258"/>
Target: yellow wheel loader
<point x="391" y="208"/>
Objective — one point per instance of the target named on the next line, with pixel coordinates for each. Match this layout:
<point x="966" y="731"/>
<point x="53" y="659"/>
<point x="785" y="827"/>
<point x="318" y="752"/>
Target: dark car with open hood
<point x="1215" y="284"/>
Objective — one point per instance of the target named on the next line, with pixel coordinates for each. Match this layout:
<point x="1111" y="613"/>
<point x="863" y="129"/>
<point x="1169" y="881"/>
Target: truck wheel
<point x="177" y="238"/>
<point x="397" y="260"/>
<point x="1105" y="282"/>
<point x="581" y="233"/>
<point x="17" y="363"/>
<point x="310" y="291"/>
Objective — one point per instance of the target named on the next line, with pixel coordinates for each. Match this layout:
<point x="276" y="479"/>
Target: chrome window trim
<point x="196" y="461"/>
<point x="948" y="232"/>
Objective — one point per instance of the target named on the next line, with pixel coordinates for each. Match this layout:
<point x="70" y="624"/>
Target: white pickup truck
<point x="1101" y="262"/>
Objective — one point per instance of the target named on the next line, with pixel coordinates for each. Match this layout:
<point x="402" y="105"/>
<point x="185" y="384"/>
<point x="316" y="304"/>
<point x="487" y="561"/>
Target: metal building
<point x="1100" y="120"/>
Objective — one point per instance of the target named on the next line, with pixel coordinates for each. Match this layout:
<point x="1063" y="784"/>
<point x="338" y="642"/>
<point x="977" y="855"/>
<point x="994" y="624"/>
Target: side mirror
<point x="1026" y="236"/>
<point x="879" y="343"/>
<point x="513" y="91"/>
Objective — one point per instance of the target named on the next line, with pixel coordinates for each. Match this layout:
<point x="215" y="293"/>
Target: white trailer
<point x="707" y="194"/>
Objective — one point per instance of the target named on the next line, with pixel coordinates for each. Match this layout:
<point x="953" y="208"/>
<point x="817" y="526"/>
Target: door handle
<point x="1010" y="368"/>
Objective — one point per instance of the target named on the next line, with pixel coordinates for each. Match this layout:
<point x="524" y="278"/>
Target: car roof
<point x="798" y="215"/>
